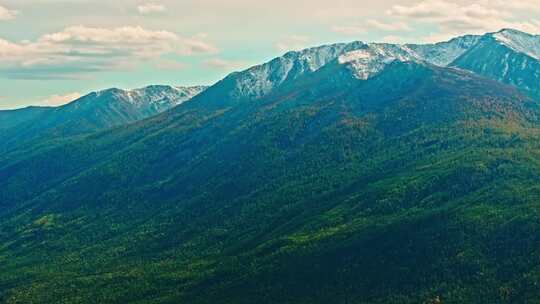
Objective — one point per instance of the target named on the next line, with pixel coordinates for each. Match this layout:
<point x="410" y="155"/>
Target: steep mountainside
<point x="95" y="111"/>
<point x="344" y="174"/>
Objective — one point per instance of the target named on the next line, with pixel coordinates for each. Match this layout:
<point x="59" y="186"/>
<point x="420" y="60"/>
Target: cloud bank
<point x="150" y="8"/>
<point x="447" y="19"/>
<point x="7" y="14"/>
<point x="473" y="17"/>
<point x="76" y="51"/>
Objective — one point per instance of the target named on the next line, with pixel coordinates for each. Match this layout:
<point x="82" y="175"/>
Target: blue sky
<point x="52" y="51"/>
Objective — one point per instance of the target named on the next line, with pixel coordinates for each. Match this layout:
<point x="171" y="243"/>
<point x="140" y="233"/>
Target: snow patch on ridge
<point x="355" y="55"/>
<point x="369" y="61"/>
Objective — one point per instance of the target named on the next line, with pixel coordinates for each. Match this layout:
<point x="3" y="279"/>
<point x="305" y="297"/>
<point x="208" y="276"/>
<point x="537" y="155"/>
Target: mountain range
<point x="346" y="173"/>
<point x="90" y="113"/>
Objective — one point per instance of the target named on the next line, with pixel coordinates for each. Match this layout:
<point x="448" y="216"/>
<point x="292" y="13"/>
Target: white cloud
<point x="472" y="17"/>
<point x="79" y="50"/>
<point x="149" y="8"/>
<point x="388" y="26"/>
<point x="291" y="43"/>
<point x="58" y="100"/>
<point x="197" y="45"/>
<point x="170" y="65"/>
<point x="222" y="64"/>
<point x="349" y="29"/>
<point x="394" y="39"/>
<point x="372" y="24"/>
<point x="7" y="14"/>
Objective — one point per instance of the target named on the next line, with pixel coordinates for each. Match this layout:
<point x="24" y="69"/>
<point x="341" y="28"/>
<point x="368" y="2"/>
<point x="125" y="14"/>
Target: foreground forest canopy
<point x="346" y="173"/>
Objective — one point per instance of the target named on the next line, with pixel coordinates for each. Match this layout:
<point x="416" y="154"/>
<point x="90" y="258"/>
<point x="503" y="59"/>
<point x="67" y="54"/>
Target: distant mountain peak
<point x="152" y="94"/>
<point x="519" y="41"/>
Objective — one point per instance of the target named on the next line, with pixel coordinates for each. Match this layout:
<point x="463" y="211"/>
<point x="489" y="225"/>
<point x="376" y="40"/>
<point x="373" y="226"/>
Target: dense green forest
<point x="419" y="185"/>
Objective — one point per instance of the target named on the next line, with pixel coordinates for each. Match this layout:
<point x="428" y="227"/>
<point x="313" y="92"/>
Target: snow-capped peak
<point x="520" y="42"/>
<point x="369" y="61"/>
